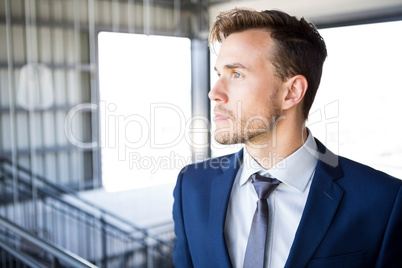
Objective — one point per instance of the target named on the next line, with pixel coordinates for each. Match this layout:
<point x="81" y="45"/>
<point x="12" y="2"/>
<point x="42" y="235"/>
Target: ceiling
<point x="321" y="12"/>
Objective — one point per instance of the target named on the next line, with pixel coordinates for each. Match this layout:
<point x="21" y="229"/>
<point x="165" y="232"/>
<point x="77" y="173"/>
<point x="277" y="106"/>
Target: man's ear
<point x="295" y="89"/>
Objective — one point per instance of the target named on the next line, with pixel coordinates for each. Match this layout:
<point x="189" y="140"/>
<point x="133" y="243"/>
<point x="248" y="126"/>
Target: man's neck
<point x="270" y="149"/>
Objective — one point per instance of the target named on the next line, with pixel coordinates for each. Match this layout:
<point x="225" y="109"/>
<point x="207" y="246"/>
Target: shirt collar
<point x="295" y="170"/>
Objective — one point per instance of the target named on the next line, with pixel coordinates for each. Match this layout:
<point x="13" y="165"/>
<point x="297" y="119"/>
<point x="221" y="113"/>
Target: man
<point x="323" y="210"/>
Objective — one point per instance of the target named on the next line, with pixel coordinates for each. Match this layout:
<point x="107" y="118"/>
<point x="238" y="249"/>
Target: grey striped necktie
<point x="255" y="251"/>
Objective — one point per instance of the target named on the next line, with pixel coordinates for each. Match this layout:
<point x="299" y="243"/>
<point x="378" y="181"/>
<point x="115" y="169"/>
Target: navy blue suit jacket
<point x="352" y="218"/>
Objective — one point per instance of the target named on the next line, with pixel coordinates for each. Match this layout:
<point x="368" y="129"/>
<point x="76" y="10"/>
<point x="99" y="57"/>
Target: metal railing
<point x="61" y="217"/>
<point x="13" y="239"/>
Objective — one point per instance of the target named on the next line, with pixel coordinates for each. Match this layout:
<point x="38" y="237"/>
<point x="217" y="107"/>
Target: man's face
<point x="246" y="93"/>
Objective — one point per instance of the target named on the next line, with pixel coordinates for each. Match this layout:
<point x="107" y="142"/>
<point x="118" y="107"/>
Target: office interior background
<point x="102" y="102"/>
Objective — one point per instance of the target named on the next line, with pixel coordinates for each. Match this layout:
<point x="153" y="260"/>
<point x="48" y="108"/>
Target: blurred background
<point x="102" y="102"/>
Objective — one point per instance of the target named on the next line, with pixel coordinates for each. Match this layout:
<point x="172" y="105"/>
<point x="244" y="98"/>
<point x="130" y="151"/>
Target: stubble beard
<point x="243" y="134"/>
<point x="248" y="130"/>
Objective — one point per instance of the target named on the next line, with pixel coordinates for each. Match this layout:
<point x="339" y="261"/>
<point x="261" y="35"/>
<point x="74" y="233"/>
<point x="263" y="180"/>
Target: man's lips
<point x="220" y="117"/>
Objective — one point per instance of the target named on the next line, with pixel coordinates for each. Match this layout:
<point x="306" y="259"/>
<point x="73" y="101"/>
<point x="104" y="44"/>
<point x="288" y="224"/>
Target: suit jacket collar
<point x="220" y="194"/>
<point x="323" y="200"/>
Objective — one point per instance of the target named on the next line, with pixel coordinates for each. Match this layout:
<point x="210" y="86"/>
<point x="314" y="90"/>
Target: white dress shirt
<point x="286" y="204"/>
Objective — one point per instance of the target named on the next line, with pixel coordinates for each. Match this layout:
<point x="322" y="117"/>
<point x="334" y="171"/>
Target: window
<point x="357" y="111"/>
<point x="145" y="103"/>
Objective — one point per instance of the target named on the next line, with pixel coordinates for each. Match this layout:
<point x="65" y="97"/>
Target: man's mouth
<point x="220" y="117"/>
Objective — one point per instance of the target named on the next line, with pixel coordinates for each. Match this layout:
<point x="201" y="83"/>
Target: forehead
<point x="251" y="47"/>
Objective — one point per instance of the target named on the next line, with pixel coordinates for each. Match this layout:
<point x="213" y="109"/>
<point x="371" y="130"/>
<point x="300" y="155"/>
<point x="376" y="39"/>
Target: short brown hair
<point x="299" y="48"/>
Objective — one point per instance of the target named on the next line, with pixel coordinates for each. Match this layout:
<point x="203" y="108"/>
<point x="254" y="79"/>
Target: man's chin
<point x="227" y="139"/>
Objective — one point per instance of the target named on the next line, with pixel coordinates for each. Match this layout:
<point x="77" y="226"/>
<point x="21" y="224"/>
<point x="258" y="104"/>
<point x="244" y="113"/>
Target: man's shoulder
<point x="353" y="172"/>
<point x="201" y="174"/>
<point x="367" y="174"/>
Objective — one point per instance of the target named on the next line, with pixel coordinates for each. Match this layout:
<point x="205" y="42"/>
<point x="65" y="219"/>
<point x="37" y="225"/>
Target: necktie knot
<point x="263" y="185"/>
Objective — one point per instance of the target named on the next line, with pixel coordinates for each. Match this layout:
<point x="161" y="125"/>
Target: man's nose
<point x="218" y="92"/>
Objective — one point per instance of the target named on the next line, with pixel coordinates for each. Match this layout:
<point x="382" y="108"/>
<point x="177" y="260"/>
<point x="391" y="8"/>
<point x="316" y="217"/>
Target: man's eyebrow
<point x="233" y="66"/>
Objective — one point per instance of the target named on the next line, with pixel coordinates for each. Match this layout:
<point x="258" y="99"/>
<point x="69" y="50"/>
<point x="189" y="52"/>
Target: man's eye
<point x="237" y="75"/>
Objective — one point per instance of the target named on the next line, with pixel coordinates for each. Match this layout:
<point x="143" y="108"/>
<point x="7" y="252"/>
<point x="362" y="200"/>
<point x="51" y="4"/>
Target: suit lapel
<point x="220" y="193"/>
<point x="323" y="200"/>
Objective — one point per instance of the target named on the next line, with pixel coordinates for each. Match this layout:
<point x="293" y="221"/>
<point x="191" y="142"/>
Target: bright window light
<point x="357" y="111"/>
<point x="145" y="104"/>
